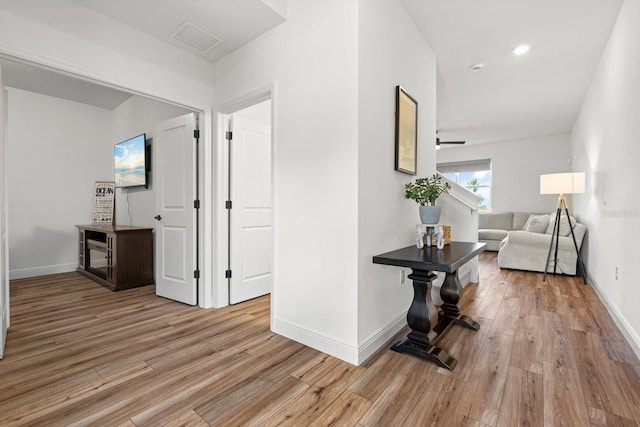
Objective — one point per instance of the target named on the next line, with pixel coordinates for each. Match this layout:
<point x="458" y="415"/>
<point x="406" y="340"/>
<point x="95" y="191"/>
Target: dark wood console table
<point x="427" y="326"/>
<point x="116" y="256"/>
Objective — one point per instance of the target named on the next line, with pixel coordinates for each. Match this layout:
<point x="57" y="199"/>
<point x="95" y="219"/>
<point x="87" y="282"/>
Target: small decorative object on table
<point x="446" y="234"/>
<point x="440" y="238"/>
<point x="419" y="236"/>
<point x="425" y="192"/>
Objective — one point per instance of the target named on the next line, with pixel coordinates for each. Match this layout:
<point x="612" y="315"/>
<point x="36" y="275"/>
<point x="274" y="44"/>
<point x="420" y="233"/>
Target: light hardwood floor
<point x="547" y="353"/>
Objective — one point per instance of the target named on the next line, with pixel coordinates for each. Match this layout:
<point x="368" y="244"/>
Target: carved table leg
<point x="422" y="318"/>
<point x="450" y="293"/>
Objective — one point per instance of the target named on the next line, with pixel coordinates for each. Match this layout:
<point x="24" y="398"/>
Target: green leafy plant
<point x="473" y="185"/>
<point x="425" y="191"/>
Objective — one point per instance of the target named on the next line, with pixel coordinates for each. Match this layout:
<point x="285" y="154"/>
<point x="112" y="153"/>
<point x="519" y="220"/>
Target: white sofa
<point x="494" y="227"/>
<point x="528" y="250"/>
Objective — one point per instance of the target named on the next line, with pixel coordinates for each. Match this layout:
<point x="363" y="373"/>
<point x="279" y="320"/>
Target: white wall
<point x="259" y="113"/>
<point x="391" y="52"/>
<point x="4" y="223"/>
<point x="58" y="149"/>
<point x="516" y="167"/>
<point x="605" y="146"/>
<point x="135" y="116"/>
<point x="312" y="60"/>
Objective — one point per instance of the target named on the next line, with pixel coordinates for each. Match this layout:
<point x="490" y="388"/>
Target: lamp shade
<point x="562" y="183"/>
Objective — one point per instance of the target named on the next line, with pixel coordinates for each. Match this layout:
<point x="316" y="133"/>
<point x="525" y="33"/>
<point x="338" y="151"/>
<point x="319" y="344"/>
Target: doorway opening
<point x="249" y="213"/>
<point x="245" y="227"/>
<point x="111" y="118"/>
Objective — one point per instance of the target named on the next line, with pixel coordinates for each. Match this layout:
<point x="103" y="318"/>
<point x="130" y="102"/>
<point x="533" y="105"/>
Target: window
<point x="474" y="175"/>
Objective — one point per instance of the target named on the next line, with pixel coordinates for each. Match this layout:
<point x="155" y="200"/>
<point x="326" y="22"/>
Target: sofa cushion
<point x="564" y="224"/>
<point x="491" y="234"/>
<point x="495" y="221"/>
<point x="519" y="220"/>
<point x="537" y="224"/>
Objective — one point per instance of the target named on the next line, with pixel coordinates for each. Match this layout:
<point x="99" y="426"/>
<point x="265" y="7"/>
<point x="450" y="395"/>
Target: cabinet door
<point x="111" y="257"/>
<point x="82" y="250"/>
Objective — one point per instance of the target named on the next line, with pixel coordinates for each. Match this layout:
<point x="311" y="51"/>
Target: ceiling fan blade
<point x="438" y="142"/>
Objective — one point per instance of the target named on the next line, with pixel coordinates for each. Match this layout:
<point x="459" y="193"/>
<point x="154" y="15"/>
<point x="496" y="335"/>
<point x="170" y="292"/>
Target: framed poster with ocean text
<point x="103" y="202"/>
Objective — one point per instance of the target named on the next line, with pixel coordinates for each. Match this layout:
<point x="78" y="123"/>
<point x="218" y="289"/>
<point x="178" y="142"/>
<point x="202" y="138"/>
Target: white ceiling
<point x="234" y="22"/>
<point x="539" y="93"/>
<point x="47" y="82"/>
<point x="512" y="98"/>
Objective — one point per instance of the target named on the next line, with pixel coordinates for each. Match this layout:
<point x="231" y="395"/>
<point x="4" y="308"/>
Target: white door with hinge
<point x="4" y="223"/>
<point x="250" y="237"/>
<point x="175" y="180"/>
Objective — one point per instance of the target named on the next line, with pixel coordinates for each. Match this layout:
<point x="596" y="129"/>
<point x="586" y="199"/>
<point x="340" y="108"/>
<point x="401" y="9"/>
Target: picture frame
<point x="406" y="154"/>
<point x="103" y="202"/>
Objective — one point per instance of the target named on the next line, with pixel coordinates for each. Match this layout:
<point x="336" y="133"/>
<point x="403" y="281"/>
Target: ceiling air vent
<point x="195" y="37"/>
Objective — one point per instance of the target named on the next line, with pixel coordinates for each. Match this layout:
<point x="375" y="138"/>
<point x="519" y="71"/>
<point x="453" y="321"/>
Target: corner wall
<point x="391" y="52"/>
<point x="516" y="167"/>
<point x="311" y="62"/>
<point x="605" y="146"/>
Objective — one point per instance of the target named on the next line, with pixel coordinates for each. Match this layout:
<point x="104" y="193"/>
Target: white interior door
<point x="174" y="177"/>
<point x="4" y="240"/>
<point x="251" y="235"/>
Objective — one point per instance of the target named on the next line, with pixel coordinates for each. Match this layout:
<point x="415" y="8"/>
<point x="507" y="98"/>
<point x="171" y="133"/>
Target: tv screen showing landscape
<point x="130" y="166"/>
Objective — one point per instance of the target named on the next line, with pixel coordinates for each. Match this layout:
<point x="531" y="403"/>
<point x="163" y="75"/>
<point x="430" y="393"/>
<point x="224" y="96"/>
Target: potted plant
<point x="425" y="192"/>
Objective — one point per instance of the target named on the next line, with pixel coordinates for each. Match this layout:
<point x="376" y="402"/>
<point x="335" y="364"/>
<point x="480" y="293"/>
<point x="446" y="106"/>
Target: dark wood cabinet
<point x="116" y="256"/>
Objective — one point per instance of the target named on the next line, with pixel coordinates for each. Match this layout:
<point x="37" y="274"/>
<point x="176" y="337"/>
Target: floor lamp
<point x="561" y="184"/>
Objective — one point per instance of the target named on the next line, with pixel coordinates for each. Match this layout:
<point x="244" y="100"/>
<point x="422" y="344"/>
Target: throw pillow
<point x="564" y="224"/>
<point x="537" y="223"/>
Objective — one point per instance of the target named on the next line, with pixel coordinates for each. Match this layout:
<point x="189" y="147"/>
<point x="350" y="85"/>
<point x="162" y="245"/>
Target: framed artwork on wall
<point x="406" y="132"/>
<point x="103" y="202"/>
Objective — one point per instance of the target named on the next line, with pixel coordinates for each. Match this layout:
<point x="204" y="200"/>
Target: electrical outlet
<point x="617" y="274"/>
<point x="402" y="276"/>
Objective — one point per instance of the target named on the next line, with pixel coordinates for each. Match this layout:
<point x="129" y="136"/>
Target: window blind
<point x="466" y="166"/>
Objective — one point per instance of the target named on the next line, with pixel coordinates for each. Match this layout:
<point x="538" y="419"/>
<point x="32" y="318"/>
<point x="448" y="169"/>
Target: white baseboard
<point x="42" y="271"/>
<point x="627" y="330"/>
<point x="314" y="339"/>
<point x="336" y="348"/>
<point x="3" y="333"/>
<point x="380" y="338"/>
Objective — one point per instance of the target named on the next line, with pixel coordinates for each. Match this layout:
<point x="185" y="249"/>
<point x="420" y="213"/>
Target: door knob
<point x="158" y="217"/>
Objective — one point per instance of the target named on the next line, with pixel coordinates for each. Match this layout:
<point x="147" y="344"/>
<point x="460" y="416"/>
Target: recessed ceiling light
<point x="521" y="50"/>
<point x="476" y="68"/>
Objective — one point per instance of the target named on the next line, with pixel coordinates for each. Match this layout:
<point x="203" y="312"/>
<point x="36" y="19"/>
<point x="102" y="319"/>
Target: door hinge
<point x="227" y="204"/>
<point x="196" y="133"/>
<point x="196" y="274"/>
<point x="227" y="274"/>
<point x="229" y="135"/>
<point x="196" y="204"/>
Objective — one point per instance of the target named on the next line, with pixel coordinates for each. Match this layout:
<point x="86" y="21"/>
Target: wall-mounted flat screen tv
<point x="131" y="162"/>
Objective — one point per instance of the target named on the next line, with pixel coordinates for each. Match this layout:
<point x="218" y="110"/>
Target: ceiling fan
<point x="439" y="143"/>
